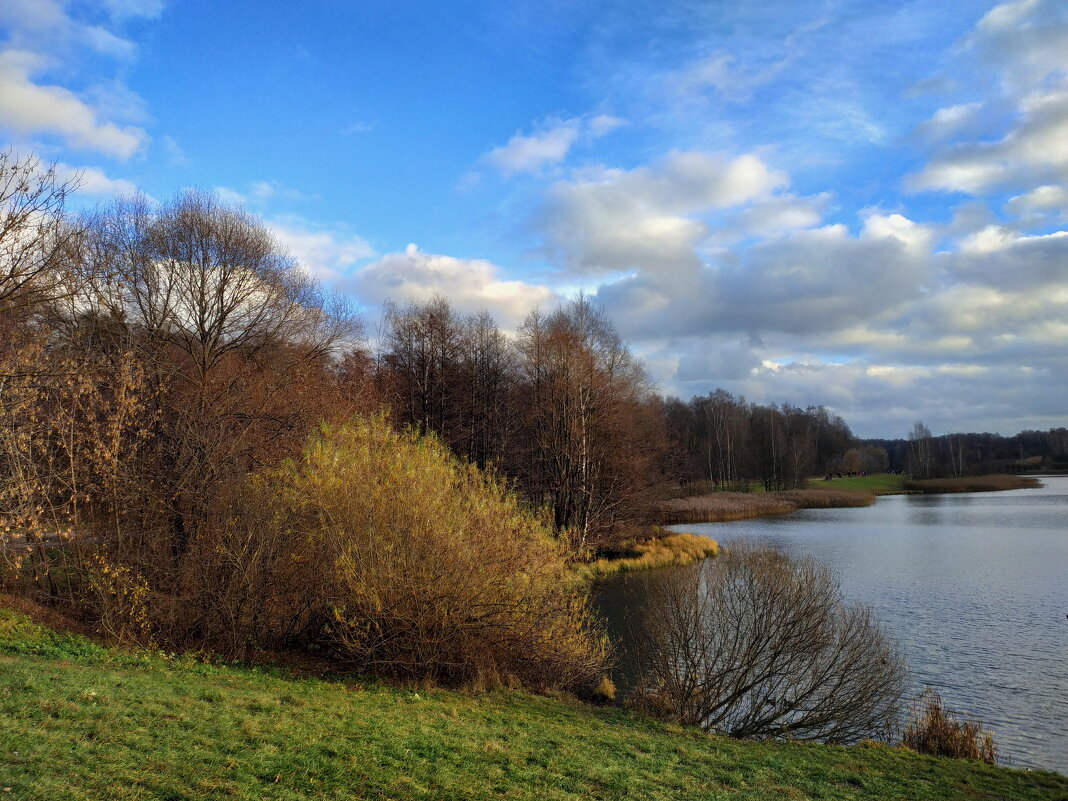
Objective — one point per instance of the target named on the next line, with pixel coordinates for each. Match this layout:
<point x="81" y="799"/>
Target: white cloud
<point x="782" y="213"/>
<point x="107" y="43"/>
<point x="175" y="155"/>
<point x="1047" y="198"/>
<point x="27" y="108"/>
<point x="531" y="153"/>
<point x="1024" y="43"/>
<point x="32" y="15"/>
<point x="94" y="181"/>
<point x="607" y="220"/>
<point x="603" y="124"/>
<point x="121" y="9"/>
<point x="1024" y="40"/>
<point x="260" y="193"/>
<point x="471" y="285"/>
<point x="328" y="254"/>
<point x="950" y="120"/>
<point x="549" y="145"/>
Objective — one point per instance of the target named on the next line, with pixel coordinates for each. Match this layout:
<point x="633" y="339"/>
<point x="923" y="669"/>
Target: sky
<point x="861" y="204"/>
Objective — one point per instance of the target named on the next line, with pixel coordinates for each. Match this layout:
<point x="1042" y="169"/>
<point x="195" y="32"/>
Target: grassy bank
<point x="78" y="721"/>
<point x="719" y="507"/>
<point x="656" y="547"/>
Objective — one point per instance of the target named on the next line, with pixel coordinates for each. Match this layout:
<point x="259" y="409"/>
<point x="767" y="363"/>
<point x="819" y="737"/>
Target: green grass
<point x="78" y="721"/>
<point x="877" y="483"/>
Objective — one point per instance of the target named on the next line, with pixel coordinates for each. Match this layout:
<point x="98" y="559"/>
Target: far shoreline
<point x="725" y="507"/>
<point x="655" y="546"/>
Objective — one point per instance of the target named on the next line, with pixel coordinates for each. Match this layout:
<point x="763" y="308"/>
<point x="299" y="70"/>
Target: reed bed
<point x="827" y="499"/>
<point x="720" y="507"/>
<point x="993" y="483"/>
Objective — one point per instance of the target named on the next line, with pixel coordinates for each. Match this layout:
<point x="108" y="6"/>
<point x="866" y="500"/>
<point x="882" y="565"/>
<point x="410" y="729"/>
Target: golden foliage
<point x="432" y="569"/>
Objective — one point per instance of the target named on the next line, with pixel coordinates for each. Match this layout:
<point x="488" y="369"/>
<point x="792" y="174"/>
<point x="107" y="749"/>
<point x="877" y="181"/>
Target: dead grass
<point x="992" y="483"/>
<point x="661" y="549"/>
<point x="721" y="507"/>
<point x="827" y="499"/>
<point x="935" y="730"/>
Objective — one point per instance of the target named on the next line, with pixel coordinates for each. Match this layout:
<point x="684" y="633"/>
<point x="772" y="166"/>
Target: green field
<point x="878" y="483"/>
<point x="78" y="721"/>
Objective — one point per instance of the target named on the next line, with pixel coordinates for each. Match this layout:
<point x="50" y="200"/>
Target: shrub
<point x="935" y="730"/>
<point x="756" y="645"/>
<point x="428" y="568"/>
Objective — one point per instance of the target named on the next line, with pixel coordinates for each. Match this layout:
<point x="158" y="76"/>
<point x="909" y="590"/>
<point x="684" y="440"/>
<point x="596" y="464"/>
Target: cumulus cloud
<point x="531" y="153"/>
<point x="1023" y="42"/>
<point x="549" y="145"/>
<point x="608" y="220"/>
<point x="329" y="254"/>
<point x="471" y="285"/>
<point x="29" y="108"/>
<point x="94" y="181"/>
<point x="782" y="213"/>
<point x="1036" y="149"/>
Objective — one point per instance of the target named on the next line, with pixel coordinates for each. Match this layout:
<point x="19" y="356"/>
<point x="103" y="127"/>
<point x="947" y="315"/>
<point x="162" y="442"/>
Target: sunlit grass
<point x="877" y="483"/>
<point x="88" y="723"/>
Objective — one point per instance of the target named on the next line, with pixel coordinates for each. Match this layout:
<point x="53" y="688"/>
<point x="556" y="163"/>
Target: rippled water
<point x="974" y="586"/>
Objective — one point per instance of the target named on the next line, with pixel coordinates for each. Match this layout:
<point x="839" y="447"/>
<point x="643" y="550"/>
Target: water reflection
<point x="975" y="587"/>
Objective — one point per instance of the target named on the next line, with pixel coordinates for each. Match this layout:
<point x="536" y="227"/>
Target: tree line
<point x="923" y="455"/>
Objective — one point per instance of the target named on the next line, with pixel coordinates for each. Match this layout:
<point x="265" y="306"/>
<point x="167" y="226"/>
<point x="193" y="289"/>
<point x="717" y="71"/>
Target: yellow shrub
<point x="431" y="568"/>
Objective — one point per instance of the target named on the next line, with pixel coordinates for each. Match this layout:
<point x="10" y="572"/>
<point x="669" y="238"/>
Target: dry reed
<point x="935" y="730"/>
<point x="720" y="507"/>
<point x="992" y="483"/>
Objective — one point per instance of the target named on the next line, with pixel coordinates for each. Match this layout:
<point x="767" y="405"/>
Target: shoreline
<point x="726" y="507"/>
<point x="661" y="547"/>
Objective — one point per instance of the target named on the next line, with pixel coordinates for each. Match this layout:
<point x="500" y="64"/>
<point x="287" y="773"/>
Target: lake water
<point x="973" y="586"/>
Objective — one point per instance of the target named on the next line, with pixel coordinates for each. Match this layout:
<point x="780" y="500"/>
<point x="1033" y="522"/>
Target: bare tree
<point x="35" y="234"/>
<point x="592" y="437"/>
<point x="921" y="456"/>
<point x="755" y="645"/>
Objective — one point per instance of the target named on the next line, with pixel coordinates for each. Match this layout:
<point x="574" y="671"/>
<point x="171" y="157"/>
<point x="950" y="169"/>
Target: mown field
<point x="78" y="721"/>
<point x="876" y="483"/>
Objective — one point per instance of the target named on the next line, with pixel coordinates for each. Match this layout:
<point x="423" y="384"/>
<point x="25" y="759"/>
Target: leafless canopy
<point x="34" y="233"/>
<point x="755" y="645"/>
<point x="207" y="279"/>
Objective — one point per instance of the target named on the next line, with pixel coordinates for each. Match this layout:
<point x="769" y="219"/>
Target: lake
<point x="973" y="586"/>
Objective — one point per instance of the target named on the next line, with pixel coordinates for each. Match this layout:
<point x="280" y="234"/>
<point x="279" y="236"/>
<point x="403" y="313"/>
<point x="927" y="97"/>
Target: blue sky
<point x="856" y="204"/>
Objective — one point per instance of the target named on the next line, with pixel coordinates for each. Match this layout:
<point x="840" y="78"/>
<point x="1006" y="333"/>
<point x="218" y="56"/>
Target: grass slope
<point x="78" y="721"/>
<point x="876" y="483"/>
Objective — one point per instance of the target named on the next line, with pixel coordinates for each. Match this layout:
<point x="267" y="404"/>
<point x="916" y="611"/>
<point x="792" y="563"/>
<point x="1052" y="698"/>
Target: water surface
<point x="973" y="586"/>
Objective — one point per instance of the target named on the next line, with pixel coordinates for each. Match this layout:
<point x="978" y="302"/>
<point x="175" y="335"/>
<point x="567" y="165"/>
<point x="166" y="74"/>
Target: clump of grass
<point x="993" y="483"/>
<point x="20" y="635"/>
<point x="935" y="730"/>
<point x="658" y="548"/>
